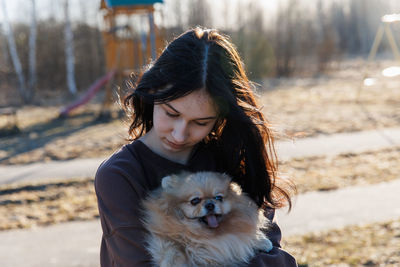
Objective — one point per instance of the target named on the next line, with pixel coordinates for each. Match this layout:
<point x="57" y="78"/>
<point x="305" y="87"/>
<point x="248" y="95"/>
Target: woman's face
<point x="180" y="124"/>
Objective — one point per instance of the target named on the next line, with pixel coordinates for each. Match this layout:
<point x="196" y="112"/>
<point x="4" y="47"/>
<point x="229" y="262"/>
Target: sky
<point x="20" y="10"/>
<point x="88" y="10"/>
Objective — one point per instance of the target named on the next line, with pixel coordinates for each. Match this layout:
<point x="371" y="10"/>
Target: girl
<point x="192" y="110"/>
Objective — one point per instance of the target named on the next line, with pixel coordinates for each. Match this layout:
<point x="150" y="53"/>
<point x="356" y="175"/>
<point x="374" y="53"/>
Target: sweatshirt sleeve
<point x="119" y="199"/>
<point x="277" y="256"/>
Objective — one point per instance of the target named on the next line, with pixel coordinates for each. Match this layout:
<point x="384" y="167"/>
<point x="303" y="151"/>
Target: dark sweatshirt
<point x="123" y="181"/>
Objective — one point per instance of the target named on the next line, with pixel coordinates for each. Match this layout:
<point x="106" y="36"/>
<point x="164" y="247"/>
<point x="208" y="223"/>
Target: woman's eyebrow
<point x="171" y="107"/>
<point x="207" y="118"/>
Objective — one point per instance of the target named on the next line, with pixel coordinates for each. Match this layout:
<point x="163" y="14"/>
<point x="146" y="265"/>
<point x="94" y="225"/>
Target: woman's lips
<point x="173" y="145"/>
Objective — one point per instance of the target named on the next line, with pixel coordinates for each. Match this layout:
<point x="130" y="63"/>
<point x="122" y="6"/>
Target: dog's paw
<point x="268" y="245"/>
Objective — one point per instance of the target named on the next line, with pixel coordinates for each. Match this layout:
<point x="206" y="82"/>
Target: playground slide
<point x="90" y="93"/>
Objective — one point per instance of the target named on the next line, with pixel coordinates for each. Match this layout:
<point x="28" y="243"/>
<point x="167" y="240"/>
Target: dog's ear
<point x="236" y="188"/>
<point x="168" y="182"/>
<point x="226" y="177"/>
<point x="171" y="181"/>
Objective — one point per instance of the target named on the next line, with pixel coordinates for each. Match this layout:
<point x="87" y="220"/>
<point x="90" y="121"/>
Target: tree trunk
<point x="14" y="54"/>
<point x="32" y="52"/>
<point x="69" y="52"/>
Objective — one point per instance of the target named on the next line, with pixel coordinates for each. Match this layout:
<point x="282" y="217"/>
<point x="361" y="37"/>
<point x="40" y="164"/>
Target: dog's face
<point x="201" y="199"/>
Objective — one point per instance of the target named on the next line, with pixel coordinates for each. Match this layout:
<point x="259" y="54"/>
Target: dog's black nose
<point x="210" y="206"/>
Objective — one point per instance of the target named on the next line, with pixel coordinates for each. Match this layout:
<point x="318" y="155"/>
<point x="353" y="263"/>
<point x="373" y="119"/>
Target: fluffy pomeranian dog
<point x="203" y="219"/>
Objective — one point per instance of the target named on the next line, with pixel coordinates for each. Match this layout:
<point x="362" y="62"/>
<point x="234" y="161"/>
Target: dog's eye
<point x="220" y="198"/>
<point x="195" y="201"/>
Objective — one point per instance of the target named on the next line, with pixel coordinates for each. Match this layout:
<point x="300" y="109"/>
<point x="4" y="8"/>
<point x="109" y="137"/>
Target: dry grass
<point x="368" y="245"/>
<point x="334" y="103"/>
<point x="29" y="205"/>
<point x="45" y="137"/>
<point x="329" y="173"/>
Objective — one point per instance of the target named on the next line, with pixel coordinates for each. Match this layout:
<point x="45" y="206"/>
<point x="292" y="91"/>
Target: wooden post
<point x="152" y="35"/>
<point x="377" y="41"/>
<point x="392" y="42"/>
<point x="384" y="28"/>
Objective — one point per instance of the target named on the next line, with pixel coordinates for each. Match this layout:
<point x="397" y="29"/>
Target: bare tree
<point x="255" y="46"/>
<point x="199" y="13"/>
<point x="285" y="39"/>
<point x="177" y="8"/>
<point x="226" y="14"/>
<point x="32" y="51"/>
<point x="239" y="36"/>
<point x="340" y="25"/>
<point x="69" y="51"/>
<point x="14" y="54"/>
<point x="364" y="17"/>
<point x="4" y="58"/>
<point x="325" y="40"/>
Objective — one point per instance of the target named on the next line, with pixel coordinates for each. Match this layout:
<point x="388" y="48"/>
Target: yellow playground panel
<point x="131" y="38"/>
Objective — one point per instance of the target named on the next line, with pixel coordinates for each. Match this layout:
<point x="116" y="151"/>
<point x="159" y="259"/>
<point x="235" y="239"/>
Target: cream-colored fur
<point x="183" y="232"/>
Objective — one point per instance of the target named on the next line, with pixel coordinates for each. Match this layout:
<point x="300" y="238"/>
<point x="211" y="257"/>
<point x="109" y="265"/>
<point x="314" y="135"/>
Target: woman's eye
<point x="171" y="115"/>
<point x="220" y="198"/>
<point x="201" y="123"/>
<point x="195" y="201"/>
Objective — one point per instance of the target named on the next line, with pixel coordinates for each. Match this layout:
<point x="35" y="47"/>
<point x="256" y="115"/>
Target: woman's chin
<point x="170" y="147"/>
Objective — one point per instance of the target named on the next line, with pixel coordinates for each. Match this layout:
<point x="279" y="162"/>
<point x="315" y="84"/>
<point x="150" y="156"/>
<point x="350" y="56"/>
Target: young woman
<point x="192" y="110"/>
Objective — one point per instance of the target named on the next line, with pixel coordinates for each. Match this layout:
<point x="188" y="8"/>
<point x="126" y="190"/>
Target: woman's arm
<point x="119" y="207"/>
<point x="276" y="257"/>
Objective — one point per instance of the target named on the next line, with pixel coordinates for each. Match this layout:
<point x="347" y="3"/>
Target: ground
<point x="332" y="103"/>
<point x="297" y="107"/>
<point x="360" y="245"/>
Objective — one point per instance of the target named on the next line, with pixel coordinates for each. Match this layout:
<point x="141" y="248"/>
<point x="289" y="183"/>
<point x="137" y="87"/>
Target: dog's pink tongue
<point x="212" y="221"/>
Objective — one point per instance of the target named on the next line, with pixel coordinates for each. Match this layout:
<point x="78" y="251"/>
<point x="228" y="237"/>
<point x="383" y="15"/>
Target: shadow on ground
<point x="38" y="135"/>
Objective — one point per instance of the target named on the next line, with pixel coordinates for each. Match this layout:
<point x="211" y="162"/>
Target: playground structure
<point x="131" y="40"/>
<point x="384" y="28"/>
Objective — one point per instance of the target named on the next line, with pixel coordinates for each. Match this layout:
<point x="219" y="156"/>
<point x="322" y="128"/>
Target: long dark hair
<point x="242" y="139"/>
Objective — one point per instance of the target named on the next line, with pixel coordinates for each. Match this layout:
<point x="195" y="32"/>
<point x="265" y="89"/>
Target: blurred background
<point x="323" y="70"/>
<point x="275" y="38"/>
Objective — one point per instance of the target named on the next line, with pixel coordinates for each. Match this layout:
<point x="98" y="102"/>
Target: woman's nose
<point x="179" y="133"/>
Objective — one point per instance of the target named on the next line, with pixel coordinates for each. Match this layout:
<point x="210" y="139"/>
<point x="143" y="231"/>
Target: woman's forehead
<point x="198" y="103"/>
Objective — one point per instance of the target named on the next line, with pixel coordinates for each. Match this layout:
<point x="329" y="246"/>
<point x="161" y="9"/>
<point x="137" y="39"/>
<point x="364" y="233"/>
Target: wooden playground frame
<point x="127" y="49"/>
<point x="385" y="28"/>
